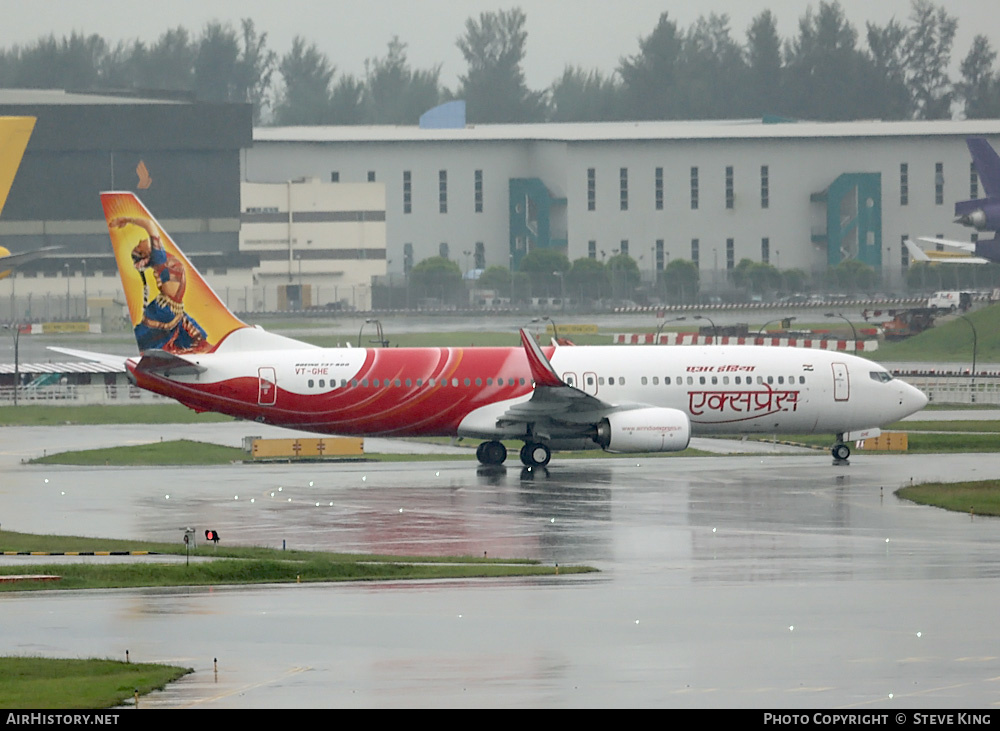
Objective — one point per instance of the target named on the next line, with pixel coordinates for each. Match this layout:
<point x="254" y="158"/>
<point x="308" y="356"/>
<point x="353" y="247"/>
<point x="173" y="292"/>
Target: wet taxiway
<point x="773" y="580"/>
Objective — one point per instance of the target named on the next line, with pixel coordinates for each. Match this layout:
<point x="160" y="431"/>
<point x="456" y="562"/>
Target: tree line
<point x="828" y="71"/>
<point x="549" y="274"/>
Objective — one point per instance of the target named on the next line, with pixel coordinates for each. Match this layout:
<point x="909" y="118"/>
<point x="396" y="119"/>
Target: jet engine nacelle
<point x="975" y="219"/>
<point x="983" y="217"/>
<point x="644" y="430"/>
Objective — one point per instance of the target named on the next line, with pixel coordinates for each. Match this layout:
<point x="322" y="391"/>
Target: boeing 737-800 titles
<point x="620" y="398"/>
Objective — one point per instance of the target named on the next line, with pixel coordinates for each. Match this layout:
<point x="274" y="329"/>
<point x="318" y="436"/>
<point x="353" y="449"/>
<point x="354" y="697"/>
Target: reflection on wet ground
<point x="759" y="581"/>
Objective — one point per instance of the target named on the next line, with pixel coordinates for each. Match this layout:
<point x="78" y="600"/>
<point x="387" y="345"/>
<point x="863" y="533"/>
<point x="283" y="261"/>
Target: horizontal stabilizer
<point x="963" y="246"/>
<point x="12" y="261"/>
<point x="962" y="252"/>
<point x="113" y="361"/>
<point x="171" y="364"/>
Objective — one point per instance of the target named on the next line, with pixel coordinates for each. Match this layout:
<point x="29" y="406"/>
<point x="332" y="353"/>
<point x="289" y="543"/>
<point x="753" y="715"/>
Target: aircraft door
<point x="570" y="379"/>
<point x="841" y="382"/>
<point x="267" y="389"/>
<point x="589" y="384"/>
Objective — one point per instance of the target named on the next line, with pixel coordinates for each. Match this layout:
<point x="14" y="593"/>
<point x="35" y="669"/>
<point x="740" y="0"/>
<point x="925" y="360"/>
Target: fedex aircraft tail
<point x="983" y="214"/>
<point x="171" y="307"/>
<point x="987" y="163"/>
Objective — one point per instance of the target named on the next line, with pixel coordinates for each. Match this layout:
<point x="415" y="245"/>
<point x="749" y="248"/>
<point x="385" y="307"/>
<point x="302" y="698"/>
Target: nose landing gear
<point x="535" y="454"/>
<point x="840" y="451"/>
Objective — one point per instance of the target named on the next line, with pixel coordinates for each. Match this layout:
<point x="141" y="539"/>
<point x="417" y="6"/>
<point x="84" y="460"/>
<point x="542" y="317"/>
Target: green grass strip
<point x="233" y="565"/>
<point x="177" y="452"/>
<point x="255" y="571"/>
<point x="917" y="442"/>
<point x="165" y="413"/>
<point x="53" y="684"/>
<point x="978" y="498"/>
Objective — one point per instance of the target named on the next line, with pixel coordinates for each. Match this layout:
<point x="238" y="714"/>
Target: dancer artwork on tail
<point x="163" y="301"/>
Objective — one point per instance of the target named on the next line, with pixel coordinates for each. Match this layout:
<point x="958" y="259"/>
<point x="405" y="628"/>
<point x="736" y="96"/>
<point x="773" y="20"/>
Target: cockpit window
<point x="880" y="376"/>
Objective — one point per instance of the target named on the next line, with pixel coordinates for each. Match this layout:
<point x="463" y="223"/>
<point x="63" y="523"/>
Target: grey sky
<point x="587" y="33"/>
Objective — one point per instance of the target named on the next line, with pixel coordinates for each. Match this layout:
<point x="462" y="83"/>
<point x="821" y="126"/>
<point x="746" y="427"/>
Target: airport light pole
<point x="86" y="312"/>
<point x="66" y="268"/>
<point x="512" y="281"/>
<point x="780" y="319"/>
<point x="388" y="274"/>
<point x="378" y="329"/>
<point x="853" y="331"/>
<point x="659" y="328"/>
<point x="975" y="342"/>
<point x="555" y="330"/>
<point x="15" y="328"/>
<point x="562" y="290"/>
<point x="302" y="299"/>
<point x="715" y="330"/>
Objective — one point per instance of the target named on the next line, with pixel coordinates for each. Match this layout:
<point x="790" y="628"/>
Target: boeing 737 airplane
<point x="620" y="398"/>
<point x="982" y="214"/>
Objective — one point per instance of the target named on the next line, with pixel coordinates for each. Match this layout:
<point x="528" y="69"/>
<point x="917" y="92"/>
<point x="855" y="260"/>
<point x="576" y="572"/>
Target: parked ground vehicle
<point x="950" y="300"/>
<point x="905" y="323"/>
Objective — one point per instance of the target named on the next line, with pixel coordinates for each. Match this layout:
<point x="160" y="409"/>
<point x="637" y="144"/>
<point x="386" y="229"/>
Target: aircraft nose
<point x="912" y="399"/>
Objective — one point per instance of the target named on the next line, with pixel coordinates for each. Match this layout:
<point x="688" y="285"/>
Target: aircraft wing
<point x="553" y="401"/>
<point x="963" y="252"/>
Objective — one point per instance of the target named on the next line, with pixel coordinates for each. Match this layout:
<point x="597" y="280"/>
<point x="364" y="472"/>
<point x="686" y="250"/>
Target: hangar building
<point x="181" y="157"/>
<point x="794" y="194"/>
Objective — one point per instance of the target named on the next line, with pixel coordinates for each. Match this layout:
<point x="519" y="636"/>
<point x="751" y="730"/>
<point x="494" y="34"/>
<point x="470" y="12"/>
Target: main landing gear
<point x="491" y="453"/>
<point x="533" y="454"/>
<point x="840" y="451"/>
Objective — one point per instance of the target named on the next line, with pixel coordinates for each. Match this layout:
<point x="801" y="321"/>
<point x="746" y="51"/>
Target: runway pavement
<point x="765" y="581"/>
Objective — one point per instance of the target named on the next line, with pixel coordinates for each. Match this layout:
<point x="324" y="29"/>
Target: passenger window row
<point x="702" y="380"/>
<point x="408" y="382"/>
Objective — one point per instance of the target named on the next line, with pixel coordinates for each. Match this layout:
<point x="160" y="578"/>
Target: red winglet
<point x="542" y="372"/>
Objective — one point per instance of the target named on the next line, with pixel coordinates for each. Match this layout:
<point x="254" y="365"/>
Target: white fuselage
<point x="464" y="391"/>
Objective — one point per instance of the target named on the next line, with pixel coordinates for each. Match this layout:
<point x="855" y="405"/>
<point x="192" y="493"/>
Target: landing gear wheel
<point x="491" y="453"/>
<point x="535" y="454"/>
<point x="841" y="452"/>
